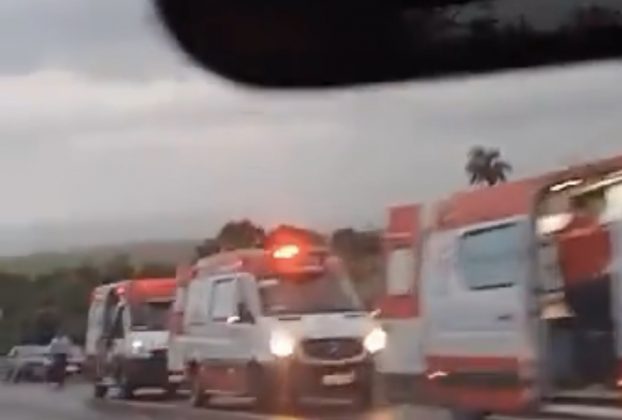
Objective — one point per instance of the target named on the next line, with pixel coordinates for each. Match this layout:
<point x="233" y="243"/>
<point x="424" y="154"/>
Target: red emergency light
<point x="295" y="258"/>
<point x="286" y="252"/>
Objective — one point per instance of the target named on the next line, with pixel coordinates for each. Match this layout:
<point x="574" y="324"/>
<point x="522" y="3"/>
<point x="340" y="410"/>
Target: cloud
<point x="104" y="38"/>
<point x="101" y="123"/>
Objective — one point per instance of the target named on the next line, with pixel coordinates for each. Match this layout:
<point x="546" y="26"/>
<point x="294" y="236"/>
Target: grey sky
<point x="103" y="123"/>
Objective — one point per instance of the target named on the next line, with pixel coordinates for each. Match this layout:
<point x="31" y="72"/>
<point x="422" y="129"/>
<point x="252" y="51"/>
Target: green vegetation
<point x="485" y="166"/>
<point x="43" y="292"/>
<point x="34" y="307"/>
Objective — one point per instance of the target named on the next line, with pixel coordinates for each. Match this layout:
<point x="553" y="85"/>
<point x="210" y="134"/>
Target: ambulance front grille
<point x="332" y="348"/>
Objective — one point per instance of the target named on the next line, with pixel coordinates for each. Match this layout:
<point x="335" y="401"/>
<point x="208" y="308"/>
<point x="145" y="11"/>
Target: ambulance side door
<point x="224" y="368"/>
<point x="480" y="335"/>
<point x="194" y="343"/>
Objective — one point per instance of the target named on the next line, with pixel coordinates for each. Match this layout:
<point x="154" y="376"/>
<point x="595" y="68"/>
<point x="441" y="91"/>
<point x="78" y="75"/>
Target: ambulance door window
<point x="195" y="303"/>
<point x="223" y="301"/>
<point x="96" y="316"/>
<point x="248" y="295"/>
<point x="118" y="330"/>
<point x="490" y="257"/>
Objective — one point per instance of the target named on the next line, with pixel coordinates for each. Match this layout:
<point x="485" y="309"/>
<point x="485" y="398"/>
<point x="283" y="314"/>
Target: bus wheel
<point x="100" y="391"/>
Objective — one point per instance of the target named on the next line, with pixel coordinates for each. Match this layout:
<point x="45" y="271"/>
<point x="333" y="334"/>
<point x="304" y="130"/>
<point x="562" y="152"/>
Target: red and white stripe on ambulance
<point x="399" y="307"/>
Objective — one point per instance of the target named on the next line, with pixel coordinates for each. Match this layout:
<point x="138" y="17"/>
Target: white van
<point x="127" y="336"/>
<point x="521" y="297"/>
<point x="281" y="326"/>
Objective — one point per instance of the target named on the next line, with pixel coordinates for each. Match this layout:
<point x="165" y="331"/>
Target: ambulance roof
<point x="251" y="260"/>
<point x="150" y="288"/>
<point x="256" y="261"/>
<point x="482" y="204"/>
<point x="141" y="289"/>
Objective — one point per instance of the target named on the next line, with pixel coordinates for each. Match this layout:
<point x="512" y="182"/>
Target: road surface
<point x="37" y="401"/>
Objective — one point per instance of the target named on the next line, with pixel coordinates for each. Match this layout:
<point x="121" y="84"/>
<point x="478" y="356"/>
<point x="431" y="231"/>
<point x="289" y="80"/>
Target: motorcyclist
<point x="60" y="349"/>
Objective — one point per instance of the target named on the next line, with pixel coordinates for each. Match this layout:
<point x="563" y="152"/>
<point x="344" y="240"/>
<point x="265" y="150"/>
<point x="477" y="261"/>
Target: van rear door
<point x="480" y="331"/>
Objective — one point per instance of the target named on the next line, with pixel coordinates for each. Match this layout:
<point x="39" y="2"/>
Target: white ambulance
<point x="128" y="334"/>
<point x="282" y="325"/>
<point x="521" y="297"/>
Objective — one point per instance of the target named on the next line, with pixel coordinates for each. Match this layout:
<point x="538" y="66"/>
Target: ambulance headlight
<point x="282" y="344"/>
<point x="138" y="347"/>
<point x="376" y="340"/>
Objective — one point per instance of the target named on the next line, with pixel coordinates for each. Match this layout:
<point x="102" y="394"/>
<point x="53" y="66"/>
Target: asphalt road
<point x="38" y="401"/>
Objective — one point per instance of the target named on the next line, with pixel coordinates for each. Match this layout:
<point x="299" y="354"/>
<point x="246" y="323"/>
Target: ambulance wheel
<point x="467" y="415"/>
<point x="365" y="396"/>
<point x="126" y="390"/>
<point x="100" y="391"/>
<point x="171" y="390"/>
<point x="268" y="399"/>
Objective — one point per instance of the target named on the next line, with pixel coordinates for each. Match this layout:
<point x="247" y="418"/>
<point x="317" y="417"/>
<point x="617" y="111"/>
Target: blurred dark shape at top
<point x="323" y="43"/>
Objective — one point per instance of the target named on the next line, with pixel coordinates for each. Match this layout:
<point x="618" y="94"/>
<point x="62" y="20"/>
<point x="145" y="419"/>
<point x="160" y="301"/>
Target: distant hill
<point x="164" y="252"/>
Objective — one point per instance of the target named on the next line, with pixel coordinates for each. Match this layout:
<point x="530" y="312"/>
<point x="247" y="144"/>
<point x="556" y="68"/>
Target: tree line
<point x="34" y="307"/>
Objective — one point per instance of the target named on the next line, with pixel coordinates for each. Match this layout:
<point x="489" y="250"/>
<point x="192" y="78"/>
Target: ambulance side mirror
<point x="245" y="315"/>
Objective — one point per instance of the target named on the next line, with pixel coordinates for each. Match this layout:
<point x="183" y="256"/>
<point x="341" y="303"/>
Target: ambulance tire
<point x="267" y="398"/>
<point x="171" y="391"/>
<point x="268" y="401"/>
<point x="366" y="396"/>
<point x="467" y="415"/>
<point x="126" y="389"/>
<point x="100" y="391"/>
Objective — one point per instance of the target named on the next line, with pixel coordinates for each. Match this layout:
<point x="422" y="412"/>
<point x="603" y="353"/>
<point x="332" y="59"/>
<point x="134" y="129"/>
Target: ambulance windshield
<point x="150" y="316"/>
<point x="307" y="293"/>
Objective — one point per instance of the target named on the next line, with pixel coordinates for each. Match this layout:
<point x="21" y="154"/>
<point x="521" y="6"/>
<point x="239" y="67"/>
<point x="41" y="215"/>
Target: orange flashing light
<point x="286" y="252"/>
